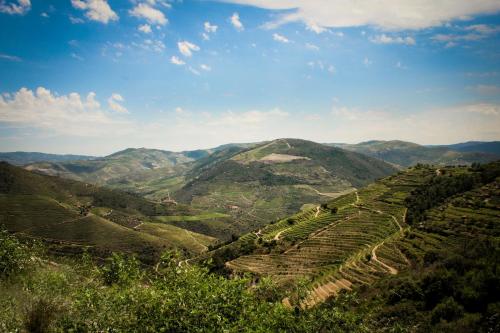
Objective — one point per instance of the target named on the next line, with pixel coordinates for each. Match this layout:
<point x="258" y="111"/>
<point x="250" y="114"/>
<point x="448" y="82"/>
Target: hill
<point x="404" y="240"/>
<point x="492" y="147"/>
<point x="71" y="216"/>
<point x="23" y="158"/>
<point x="272" y="180"/>
<point x="405" y="154"/>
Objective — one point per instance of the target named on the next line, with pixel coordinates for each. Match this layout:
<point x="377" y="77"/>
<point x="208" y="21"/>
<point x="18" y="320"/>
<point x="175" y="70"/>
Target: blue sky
<point x="96" y="76"/>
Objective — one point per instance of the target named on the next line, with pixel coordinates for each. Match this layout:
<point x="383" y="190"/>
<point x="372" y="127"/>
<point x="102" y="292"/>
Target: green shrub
<point x="14" y="256"/>
<point x="447" y="310"/>
<point x="120" y="270"/>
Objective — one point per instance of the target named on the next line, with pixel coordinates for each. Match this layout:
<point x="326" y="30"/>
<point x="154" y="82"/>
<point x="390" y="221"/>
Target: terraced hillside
<point x="405" y="154"/>
<point x="72" y="215"/>
<point x="274" y="180"/>
<point x="360" y="238"/>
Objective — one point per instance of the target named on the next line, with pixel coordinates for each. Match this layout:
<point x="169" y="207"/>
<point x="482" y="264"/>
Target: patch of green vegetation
<point x="190" y="218"/>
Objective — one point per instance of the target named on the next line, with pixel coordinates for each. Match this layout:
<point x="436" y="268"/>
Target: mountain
<point x="72" y="215"/>
<point x="406" y="154"/>
<point x="415" y="245"/>
<point x="492" y="147"/>
<point x="272" y="180"/>
<point x="126" y="163"/>
<point x="22" y="158"/>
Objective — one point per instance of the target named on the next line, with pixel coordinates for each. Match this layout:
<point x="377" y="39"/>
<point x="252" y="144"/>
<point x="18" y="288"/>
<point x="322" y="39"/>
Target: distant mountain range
<point x="492" y="147"/>
<point x="23" y="158"/>
<point x="404" y="154"/>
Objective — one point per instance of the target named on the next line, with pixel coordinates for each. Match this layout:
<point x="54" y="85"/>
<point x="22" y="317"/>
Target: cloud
<point x="205" y="67"/>
<point x="77" y="57"/>
<point x="385" y="39"/>
<point x="312" y="47"/>
<point x="187" y="48"/>
<point x="280" y="38"/>
<point x="458" y="123"/>
<point x="96" y="10"/>
<point x="62" y="114"/>
<point x="76" y="20"/>
<point x="209" y="28"/>
<point x="235" y="21"/>
<point x="384" y="14"/>
<point x="474" y="32"/>
<point x="315" y="28"/>
<point x="10" y="57"/>
<point x="176" y="61"/>
<point x="146" y="28"/>
<point x="19" y="7"/>
<point x="114" y="103"/>
<point x="147" y="44"/>
<point x="146" y="11"/>
<point x="254" y="117"/>
<point x="43" y="120"/>
<point x="367" y="62"/>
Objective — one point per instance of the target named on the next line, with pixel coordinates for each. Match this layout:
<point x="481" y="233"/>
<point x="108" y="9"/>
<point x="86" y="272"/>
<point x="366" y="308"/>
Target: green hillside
<point x="405" y="154"/>
<point x="417" y="251"/>
<point x="388" y="229"/>
<point x="72" y="215"/>
<point x="273" y="180"/>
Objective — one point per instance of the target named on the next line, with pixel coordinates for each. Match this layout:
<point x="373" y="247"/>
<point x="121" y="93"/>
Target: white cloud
<point x="209" y="28"/>
<point x="10" y="57"/>
<point x="385" y="39"/>
<point x="280" y="38"/>
<point x="63" y="114"/>
<point x="187" y="48"/>
<point x="472" y="33"/>
<point x="146" y="28"/>
<point x="176" y="61"/>
<point x="114" y="103"/>
<point x="451" y="124"/>
<point x="312" y="47"/>
<point x="96" y="10"/>
<point x="367" y="62"/>
<point x="235" y="21"/>
<point x="45" y="15"/>
<point x="146" y="11"/>
<point x="254" y="117"/>
<point x="315" y="28"/>
<point x="205" y="67"/>
<point x="42" y="120"/>
<point x="14" y="7"/>
<point x="76" y="20"/>
<point x="385" y="14"/>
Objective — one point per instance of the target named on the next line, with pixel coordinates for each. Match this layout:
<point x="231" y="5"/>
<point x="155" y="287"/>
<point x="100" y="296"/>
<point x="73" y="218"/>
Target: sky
<point x="95" y="76"/>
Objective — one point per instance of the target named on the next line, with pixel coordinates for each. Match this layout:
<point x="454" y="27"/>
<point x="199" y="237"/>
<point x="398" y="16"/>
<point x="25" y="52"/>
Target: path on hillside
<point x="330" y="288"/>
<point x="317" y="212"/>
<point x="332" y="195"/>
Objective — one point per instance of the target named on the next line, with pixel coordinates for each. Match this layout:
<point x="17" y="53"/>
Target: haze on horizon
<point x="95" y="76"/>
